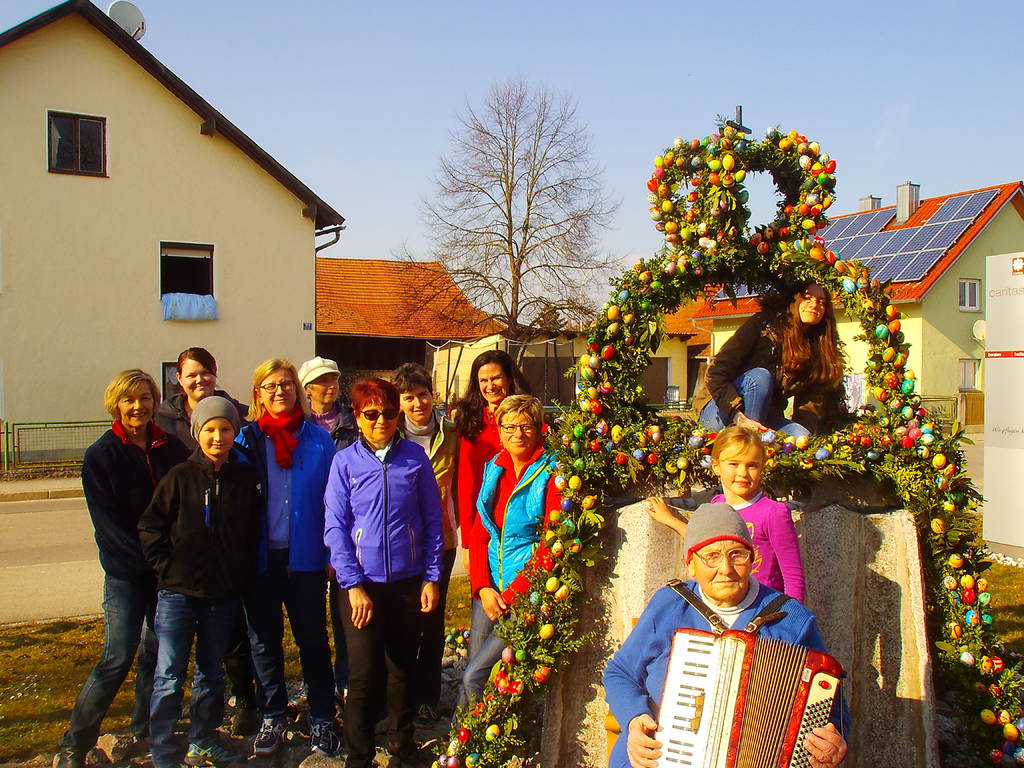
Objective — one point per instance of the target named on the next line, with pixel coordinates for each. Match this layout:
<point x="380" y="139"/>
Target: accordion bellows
<point x="740" y="700"/>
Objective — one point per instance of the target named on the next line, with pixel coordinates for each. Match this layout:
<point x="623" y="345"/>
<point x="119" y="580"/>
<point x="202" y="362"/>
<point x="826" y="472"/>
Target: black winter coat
<point x="201" y="530"/>
<point x="119" y="479"/>
<point x="172" y="419"/>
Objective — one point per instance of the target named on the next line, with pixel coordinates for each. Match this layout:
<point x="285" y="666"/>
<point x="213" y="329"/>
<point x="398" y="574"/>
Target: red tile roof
<point x="397" y="299"/>
<point x="910" y="291"/>
<point x="679" y="323"/>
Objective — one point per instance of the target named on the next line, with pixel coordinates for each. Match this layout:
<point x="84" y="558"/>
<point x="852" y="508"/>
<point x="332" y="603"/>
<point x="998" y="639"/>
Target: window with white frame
<point x="970" y="295"/>
<point x="969" y="373"/>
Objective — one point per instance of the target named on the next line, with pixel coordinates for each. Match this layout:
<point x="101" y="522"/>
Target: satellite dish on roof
<point x="978" y="331"/>
<point x="128" y="17"/>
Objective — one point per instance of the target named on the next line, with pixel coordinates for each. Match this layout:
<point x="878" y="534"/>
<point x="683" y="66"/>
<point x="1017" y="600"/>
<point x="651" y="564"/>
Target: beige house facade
<point x="122" y="187"/>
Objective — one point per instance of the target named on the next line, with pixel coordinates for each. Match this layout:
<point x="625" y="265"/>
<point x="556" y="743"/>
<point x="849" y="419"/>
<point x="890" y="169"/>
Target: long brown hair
<point x="469" y="409"/>
<point x="811" y="354"/>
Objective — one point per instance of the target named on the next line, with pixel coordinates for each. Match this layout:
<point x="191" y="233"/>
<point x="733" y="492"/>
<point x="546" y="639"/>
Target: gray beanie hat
<point x="715" y="522"/>
<point x="214" y="407"/>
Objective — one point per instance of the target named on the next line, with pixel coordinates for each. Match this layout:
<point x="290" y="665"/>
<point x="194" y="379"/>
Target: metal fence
<point x="47" y="444"/>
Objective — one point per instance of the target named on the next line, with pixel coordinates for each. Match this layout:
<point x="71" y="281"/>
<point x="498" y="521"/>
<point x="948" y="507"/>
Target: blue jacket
<point x="511" y="546"/>
<point x="312" y="456"/>
<point x="383" y="517"/>
<point x="635" y="676"/>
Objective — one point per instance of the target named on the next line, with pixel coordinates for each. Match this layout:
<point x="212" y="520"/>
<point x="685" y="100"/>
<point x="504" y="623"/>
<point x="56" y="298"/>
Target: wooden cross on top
<point x="738" y="122"/>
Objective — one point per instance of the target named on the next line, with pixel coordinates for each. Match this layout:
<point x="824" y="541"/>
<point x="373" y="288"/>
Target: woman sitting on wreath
<point x="721" y="594"/>
<point x="788" y="349"/>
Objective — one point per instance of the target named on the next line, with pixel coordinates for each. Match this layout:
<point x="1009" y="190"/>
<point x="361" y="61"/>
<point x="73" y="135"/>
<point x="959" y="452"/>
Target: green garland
<point x="612" y="441"/>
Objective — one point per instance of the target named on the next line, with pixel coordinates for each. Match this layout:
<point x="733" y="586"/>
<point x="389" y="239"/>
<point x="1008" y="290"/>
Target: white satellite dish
<point x="978" y="331"/>
<point x="128" y="17"/>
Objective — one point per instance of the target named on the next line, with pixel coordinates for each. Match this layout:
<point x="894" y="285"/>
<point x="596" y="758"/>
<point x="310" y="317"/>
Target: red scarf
<point x="280" y="429"/>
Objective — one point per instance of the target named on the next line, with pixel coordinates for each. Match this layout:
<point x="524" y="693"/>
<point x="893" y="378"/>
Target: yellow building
<point x="125" y="198"/>
<point x="934" y="251"/>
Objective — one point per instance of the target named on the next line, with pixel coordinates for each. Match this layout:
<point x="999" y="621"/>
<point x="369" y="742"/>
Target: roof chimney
<point x="908" y="198"/>
<point x="870" y="203"/>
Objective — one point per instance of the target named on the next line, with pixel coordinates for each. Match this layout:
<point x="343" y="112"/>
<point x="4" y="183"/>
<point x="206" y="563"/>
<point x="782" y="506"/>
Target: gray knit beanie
<point x="214" y="407"/>
<point x="715" y="522"/>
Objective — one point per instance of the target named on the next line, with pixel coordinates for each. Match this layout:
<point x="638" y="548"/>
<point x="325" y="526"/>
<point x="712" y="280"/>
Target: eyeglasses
<point x="510" y="429"/>
<point x="387" y="413"/>
<point x="715" y="559"/>
<point x="284" y="386"/>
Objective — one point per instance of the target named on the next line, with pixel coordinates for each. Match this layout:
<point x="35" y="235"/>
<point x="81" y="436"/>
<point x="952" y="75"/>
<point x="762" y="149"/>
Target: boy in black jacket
<point x="200" y="535"/>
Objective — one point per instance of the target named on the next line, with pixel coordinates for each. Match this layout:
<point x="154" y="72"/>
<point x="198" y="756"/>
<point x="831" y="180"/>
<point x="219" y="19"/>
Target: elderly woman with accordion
<point x="678" y="685"/>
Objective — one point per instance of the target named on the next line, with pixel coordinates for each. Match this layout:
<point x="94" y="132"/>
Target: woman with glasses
<point x="788" y="349"/>
<point x="384" y="534"/>
<point x="294" y="459"/>
<point x="720" y="595"/>
<point x="517" y="493"/>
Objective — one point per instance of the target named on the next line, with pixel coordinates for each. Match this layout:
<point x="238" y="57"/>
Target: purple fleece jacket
<point x="777" y="562"/>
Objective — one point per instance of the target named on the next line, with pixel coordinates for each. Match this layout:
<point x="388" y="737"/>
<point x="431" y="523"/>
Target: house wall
<point x="947" y="330"/>
<point x="80" y="297"/>
<point x="454" y="363"/>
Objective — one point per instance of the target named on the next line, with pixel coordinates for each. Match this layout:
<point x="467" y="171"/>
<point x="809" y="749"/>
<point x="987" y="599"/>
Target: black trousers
<point x="238" y="665"/>
<point x="427" y="680"/>
<point x="385" y="648"/>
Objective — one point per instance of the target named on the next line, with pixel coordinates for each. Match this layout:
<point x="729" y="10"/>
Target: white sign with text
<point x="1004" y="404"/>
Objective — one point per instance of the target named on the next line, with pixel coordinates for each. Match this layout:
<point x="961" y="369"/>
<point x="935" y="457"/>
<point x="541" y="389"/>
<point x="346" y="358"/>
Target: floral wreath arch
<point x="611" y="440"/>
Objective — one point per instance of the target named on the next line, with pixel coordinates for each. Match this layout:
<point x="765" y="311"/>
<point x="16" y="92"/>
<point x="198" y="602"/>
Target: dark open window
<point x="186" y="268"/>
<point x="78" y="144"/>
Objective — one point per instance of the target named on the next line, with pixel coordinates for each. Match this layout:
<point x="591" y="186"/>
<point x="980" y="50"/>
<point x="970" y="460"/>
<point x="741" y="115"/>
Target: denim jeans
<point x="384" y="648"/>
<point x="304" y="594"/>
<point x="485" y="649"/>
<point x="179" y="620"/>
<point x="756" y="387"/>
<point x="128" y="608"/>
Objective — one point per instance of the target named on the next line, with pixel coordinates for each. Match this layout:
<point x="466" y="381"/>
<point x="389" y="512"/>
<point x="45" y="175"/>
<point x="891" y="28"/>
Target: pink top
<point x="777" y="560"/>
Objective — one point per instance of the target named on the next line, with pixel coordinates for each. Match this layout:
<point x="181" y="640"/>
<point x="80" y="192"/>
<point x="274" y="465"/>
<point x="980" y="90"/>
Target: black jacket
<point x="172" y="419"/>
<point x="201" y="530"/>
<point x="119" y="478"/>
<point x="345" y="431"/>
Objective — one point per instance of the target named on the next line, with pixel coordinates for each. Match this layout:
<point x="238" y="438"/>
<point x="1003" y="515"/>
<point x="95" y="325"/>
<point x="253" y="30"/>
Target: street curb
<point x="52" y="493"/>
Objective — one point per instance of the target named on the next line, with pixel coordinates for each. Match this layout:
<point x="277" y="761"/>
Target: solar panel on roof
<point x="894" y="266"/>
<point x="947" y="211"/>
<point x="857" y="224"/>
<point x="922" y="236"/>
<point x="879" y="220"/>
<point x="855" y="246"/>
<point x="874" y="245"/>
<point x="976" y="204"/>
<point x="896" y="242"/>
<point x="836" y="228"/>
<point x="919" y="265"/>
<point x="948" y="234"/>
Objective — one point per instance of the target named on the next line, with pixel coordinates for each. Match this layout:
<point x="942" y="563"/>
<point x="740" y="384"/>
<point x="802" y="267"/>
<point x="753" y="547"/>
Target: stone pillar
<point x="864" y="582"/>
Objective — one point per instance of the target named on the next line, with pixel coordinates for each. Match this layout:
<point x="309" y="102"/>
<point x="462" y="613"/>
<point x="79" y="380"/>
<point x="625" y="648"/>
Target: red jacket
<point x="470" y="470"/>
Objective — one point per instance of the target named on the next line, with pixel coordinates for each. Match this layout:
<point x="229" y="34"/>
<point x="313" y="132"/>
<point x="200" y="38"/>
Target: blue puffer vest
<point x="512" y="545"/>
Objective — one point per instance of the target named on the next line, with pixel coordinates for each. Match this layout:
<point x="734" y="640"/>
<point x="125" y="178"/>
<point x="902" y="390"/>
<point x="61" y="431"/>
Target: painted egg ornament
<point x="535" y="598"/>
<point x="464" y="735"/>
<point x="493" y="731"/>
<point x="967" y="581"/>
<point x="575" y="546"/>
<point x="982" y="584"/>
<point x="967" y="659"/>
<point x="802" y="442"/>
<point x="987" y="620"/>
<point x="973" y="618"/>
<point x="949" y="582"/>
<point x="552" y="584"/>
<point x="873" y="455"/>
<point x="562" y="593"/>
<point x="1011" y="732"/>
<point x="768" y="436"/>
<point x="508" y="655"/>
<point x="547" y="631"/>
<point x="988" y="717"/>
<point x="557" y="549"/>
<point x="823" y="454"/>
<point x="939" y="461"/>
<point x="956" y="561"/>
<point x="452" y="762"/>
<point x="473" y="759"/>
<point x="957" y="631"/>
<point x="984" y="598"/>
<point x="705" y="461"/>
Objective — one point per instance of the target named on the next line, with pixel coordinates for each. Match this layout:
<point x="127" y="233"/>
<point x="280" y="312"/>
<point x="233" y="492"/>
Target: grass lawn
<point x="43" y="667"/>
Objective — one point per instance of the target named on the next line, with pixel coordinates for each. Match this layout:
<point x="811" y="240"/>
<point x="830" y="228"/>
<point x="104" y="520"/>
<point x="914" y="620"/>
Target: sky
<point x="359" y="99"/>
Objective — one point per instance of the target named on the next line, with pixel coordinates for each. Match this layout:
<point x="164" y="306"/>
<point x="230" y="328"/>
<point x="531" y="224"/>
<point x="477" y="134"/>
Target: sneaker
<point x="269" y="739"/>
<point x="210" y="756"/>
<point x="245" y="721"/>
<point x="323" y="739"/>
<point x="68" y="758"/>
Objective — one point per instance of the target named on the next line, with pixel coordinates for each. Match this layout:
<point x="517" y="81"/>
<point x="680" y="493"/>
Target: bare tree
<point x="518" y="202"/>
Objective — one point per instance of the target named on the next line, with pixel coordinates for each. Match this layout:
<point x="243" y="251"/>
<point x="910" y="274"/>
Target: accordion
<point x="740" y="700"/>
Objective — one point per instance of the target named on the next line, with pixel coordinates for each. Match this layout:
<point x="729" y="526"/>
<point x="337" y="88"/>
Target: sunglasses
<point x="387" y="413"/>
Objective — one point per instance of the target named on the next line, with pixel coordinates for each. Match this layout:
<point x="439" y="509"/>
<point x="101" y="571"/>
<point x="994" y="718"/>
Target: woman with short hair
<point x="517" y="495"/>
<point x="384" y="533"/>
<point x="320" y="378"/>
<point x="119" y="473"/>
<point x="790" y="348"/>
<point x="294" y="459"/>
<point x="720" y="595"/>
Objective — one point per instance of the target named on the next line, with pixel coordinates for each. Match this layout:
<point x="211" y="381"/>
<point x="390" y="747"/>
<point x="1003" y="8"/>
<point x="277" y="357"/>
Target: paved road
<point x="48" y="564"/>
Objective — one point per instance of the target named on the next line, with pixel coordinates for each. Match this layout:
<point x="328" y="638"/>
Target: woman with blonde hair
<point x="119" y="473"/>
<point x="294" y="459"/>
